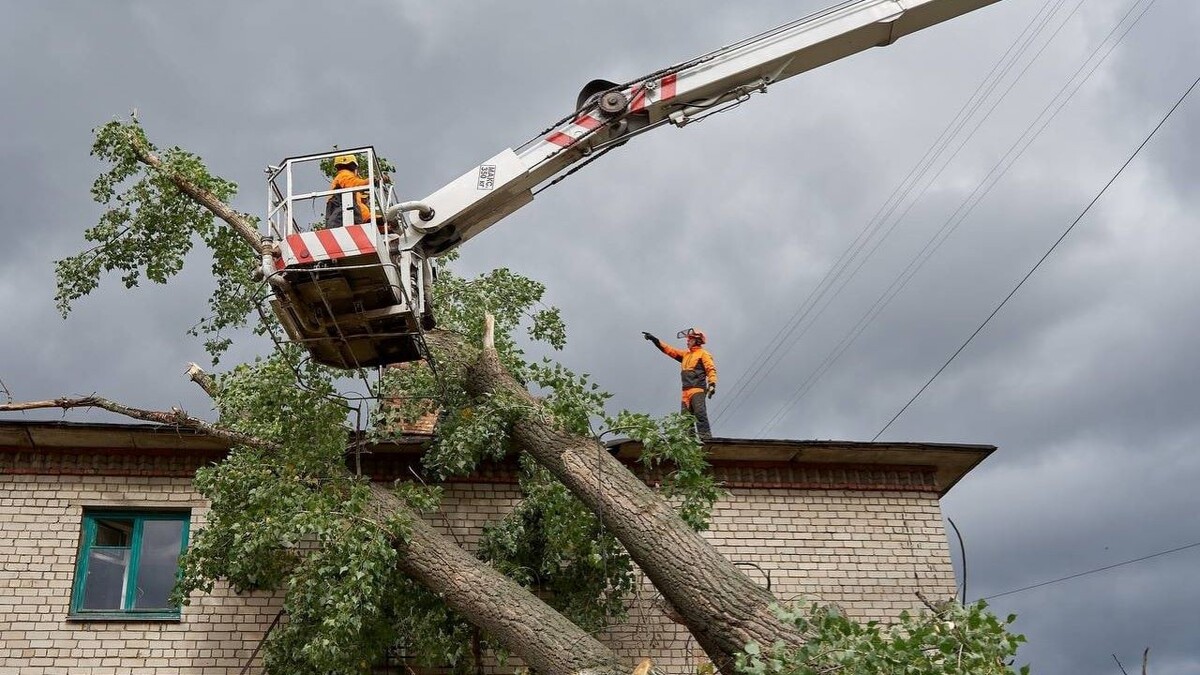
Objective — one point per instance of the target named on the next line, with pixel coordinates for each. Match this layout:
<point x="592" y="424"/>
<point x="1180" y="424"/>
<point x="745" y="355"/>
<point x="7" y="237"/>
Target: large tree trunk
<point x="543" y="638"/>
<point x="722" y="607"/>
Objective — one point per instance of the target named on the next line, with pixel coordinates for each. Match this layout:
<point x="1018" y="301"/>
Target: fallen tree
<point x="361" y="570"/>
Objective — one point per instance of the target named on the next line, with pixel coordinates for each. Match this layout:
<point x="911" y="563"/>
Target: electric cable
<point x="952" y="223"/>
<point x="748" y="384"/>
<point x="1002" y="166"/>
<point x="1044" y="257"/>
<point x="1093" y="571"/>
<point x="922" y="256"/>
<point x="962" y="548"/>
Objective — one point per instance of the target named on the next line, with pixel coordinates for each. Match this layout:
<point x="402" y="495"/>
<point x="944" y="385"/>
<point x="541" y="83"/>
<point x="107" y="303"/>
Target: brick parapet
<point x="386" y="467"/>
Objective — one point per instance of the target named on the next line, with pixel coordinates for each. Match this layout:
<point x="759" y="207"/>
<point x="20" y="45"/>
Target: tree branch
<point x="175" y="417"/>
<point x="196" y="374"/>
<point x="205" y="198"/>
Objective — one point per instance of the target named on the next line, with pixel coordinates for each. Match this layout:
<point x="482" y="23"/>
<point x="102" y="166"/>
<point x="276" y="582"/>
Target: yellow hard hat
<point x="341" y="160"/>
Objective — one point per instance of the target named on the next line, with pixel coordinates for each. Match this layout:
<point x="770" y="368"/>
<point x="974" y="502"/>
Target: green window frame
<point x="128" y="562"/>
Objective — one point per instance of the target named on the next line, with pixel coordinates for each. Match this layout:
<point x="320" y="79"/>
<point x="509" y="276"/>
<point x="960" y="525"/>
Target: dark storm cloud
<point x="1087" y="380"/>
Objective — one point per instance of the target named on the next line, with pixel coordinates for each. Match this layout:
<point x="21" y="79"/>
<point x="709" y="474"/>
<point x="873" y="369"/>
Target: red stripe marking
<point x="330" y="244"/>
<point x="296" y="244"/>
<point x="362" y="241"/>
<point x="639" y="98"/>
<point x="559" y="138"/>
<point x="587" y="122"/>
<point x="668" y="87"/>
<point x="279" y="264"/>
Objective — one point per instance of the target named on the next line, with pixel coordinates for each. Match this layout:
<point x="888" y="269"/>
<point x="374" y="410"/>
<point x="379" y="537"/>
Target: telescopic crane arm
<point x="358" y="294"/>
<point x="608" y="113"/>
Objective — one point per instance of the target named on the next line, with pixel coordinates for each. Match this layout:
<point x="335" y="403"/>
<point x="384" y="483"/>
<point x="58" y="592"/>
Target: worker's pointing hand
<point x="649" y="337"/>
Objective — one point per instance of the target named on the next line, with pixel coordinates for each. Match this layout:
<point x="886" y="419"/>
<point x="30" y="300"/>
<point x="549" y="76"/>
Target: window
<point x="128" y="562"/>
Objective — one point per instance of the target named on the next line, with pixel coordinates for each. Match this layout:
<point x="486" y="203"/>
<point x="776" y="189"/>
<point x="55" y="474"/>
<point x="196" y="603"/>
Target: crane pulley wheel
<point x="613" y="103"/>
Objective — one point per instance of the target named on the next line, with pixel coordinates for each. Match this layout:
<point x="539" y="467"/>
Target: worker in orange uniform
<point x="346" y="177"/>
<point x="698" y="374"/>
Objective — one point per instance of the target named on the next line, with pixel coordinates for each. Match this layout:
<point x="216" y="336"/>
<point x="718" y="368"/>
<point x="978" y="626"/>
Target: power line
<point x="1094" y="571"/>
<point x="771" y="352"/>
<point x="1015" y="152"/>
<point x="1045" y="256"/>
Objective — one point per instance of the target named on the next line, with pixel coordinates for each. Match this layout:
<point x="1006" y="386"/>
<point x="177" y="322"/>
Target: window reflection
<point x="104" y="587"/>
<point x="128" y="563"/>
<point x="158" y="562"/>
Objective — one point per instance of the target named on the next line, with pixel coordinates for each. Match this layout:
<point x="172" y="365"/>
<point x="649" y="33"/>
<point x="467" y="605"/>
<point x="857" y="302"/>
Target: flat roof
<point x="41" y="434"/>
<point x="950" y="461"/>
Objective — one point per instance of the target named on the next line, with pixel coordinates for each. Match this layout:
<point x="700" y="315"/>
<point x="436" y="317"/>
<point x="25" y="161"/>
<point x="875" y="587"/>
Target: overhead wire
<point x="1044" y="256"/>
<point x="1092" y="571"/>
<point x="1065" y="94"/>
<point x="956" y="125"/>
<point x="771" y="352"/>
<point x="919" y="259"/>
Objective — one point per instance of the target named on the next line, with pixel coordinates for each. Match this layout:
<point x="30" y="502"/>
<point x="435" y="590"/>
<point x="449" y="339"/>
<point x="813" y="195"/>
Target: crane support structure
<point x="609" y="112"/>
<point x="358" y="294"/>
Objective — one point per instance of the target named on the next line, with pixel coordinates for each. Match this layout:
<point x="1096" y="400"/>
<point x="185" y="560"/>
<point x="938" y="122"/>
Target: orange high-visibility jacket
<point x="696" y="366"/>
<point x="346" y="178"/>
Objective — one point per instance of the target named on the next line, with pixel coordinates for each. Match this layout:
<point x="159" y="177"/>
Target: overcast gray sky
<point x="1087" y="381"/>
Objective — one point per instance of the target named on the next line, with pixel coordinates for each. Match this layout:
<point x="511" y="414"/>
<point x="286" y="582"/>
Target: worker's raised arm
<point x="665" y="348"/>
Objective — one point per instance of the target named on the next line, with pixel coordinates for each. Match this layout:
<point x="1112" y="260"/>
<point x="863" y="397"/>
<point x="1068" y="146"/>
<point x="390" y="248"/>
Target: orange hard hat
<point x="693" y="334"/>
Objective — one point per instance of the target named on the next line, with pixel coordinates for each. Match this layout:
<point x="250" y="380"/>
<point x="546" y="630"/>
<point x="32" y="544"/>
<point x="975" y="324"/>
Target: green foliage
<point x="431" y="634"/>
<point x="511" y="298"/>
<point x="292" y="517"/>
<point x="149" y="226"/>
<point x="572" y="400"/>
<point x="552" y="542"/>
<point x="671" y="444"/>
<point x="419" y="497"/>
<point x="951" y="640"/>
<point x="470" y="434"/>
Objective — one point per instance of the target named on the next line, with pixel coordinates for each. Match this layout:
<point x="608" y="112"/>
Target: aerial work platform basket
<point x="350" y="292"/>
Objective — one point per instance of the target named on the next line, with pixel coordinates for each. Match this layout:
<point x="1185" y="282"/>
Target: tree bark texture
<point x="722" y="607"/>
<point x="543" y="638"/>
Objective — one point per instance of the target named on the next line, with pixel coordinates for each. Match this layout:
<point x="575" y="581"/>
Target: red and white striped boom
<point x="609" y="112"/>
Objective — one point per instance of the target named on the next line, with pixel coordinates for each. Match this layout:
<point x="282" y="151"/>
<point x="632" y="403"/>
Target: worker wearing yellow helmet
<point x="697" y="373"/>
<point x="346" y="177"/>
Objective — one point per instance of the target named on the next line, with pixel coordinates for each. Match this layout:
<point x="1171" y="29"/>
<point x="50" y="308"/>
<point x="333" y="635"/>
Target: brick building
<point x="92" y="517"/>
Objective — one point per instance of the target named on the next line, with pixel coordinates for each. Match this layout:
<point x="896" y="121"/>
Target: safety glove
<point x="712" y="389"/>
<point x="650" y="337"/>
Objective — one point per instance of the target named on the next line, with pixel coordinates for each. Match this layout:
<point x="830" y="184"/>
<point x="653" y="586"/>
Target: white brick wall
<point x="867" y="551"/>
<point x="40" y="519"/>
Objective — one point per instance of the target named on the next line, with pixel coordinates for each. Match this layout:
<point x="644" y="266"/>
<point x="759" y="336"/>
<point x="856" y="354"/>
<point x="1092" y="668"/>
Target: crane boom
<point x="609" y="112"/>
<point x="357" y="293"/>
